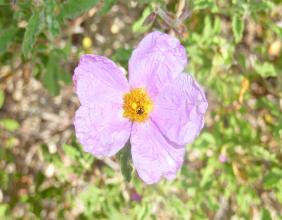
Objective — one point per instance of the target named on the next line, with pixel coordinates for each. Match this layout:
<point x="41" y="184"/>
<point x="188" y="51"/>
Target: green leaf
<point x="208" y="28"/>
<point x="278" y="195"/>
<point x="125" y="162"/>
<point x="138" y="25"/>
<point x="34" y="27"/>
<point x="55" y="73"/>
<point x="50" y="78"/>
<point x="91" y="197"/>
<point x="73" y="8"/>
<point x="144" y="212"/>
<point x="71" y="151"/>
<point x="202" y="4"/>
<point x="6" y="38"/>
<point x="51" y="18"/>
<point x="265" y="69"/>
<point x="4" y="180"/>
<point x="3" y="210"/>
<point x="262" y="153"/>
<point x="108" y="4"/>
<point x="271" y="179"/>
<point x="265" y="215"/>
<point x="207" y="173"/>
<point x="65" y="77"/>
<point x="262" y="6"/>
<point x="238" y="27"/>
<point x="9" y="124"/>
<point x="2" y="98"/>
<point x="122" y="56"/>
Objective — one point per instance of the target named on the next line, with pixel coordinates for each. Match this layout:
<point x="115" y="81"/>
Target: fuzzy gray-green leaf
<point x="34" y="27"/>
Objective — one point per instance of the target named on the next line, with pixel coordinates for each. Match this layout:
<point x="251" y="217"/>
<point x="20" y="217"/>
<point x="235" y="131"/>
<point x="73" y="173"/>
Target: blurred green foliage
<point x="234" y="50"/>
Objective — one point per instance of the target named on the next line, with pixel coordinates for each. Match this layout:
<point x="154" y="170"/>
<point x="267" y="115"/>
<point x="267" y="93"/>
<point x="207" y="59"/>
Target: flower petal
<point x="156" y="61"/>
<point x="153" y="156"/>
<point x="101" y="129"/>
<point x="97" y="78"/>
<point x="179" y="110"/>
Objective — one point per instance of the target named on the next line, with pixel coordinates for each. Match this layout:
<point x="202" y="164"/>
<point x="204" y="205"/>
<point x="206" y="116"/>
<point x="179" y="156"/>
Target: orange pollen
<point x="137" y="105"/>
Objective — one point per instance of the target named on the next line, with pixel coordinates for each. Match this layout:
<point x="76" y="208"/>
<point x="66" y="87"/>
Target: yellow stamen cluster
<point x="137" y="105"/>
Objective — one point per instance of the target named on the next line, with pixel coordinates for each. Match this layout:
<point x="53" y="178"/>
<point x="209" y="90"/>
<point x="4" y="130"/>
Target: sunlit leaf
<point x="202" y="4"/>
<point x="9" y="124"/>
<point x="138" y="25"/>
<point x="71" y="151"/>
<point x="238" y="27"/>
<point x="271" y="179"/>
<point x="265" y="214"/>
<point x="2" y="98"/>
<point x="3" y="210"/>
<point x="265" y="69"/>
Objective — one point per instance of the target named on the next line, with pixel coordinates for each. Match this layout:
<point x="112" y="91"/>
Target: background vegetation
<point x="232" y="171"/>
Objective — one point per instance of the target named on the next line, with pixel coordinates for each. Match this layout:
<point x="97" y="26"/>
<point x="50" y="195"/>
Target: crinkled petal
<point x="153" y="155"/>
<point x="97" y="78"/>
<point x="157" y="60"/>
<point x="102" y="130"/>
<point x="179" y="110"/>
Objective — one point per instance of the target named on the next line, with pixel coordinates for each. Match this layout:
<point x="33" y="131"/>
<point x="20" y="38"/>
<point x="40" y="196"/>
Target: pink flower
<point x="160" y="108"/>
<point x="135" y="196"/>
<point x="223" y="158"/>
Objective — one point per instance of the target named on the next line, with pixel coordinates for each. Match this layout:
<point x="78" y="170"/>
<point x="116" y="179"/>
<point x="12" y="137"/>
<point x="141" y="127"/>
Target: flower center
<point x="137" y="105"/>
